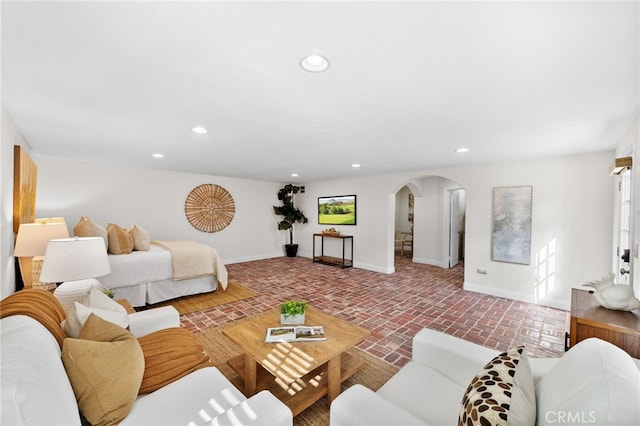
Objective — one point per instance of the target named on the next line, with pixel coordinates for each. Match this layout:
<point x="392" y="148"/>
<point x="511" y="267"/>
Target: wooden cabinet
<point x="345" y="261"/>
<point x="588" y="319"/>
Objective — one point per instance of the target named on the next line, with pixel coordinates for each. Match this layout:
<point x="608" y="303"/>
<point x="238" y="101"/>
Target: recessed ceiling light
<point x="314" y="63"/>
<point x="157" y="155"/>
<point x="462" y="149"/>
<point x="355" y="165"/>
<point x="199" y="130"/>
<point x="294" y="175"/>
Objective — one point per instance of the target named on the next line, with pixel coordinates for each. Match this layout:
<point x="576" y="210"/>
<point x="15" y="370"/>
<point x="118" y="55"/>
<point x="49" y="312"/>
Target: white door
<point x="624" y="231"/>
<point x="454" y="234"/>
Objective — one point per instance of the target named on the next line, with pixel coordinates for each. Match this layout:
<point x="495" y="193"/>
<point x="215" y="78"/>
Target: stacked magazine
<point x="295" y="334"/>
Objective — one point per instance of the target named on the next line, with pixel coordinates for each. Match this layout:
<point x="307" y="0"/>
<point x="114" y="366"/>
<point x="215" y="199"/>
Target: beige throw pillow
<point x="105" y="366"/>
<point x="141" y="240"/>
<point x="120" y="241"/>
<point x="88" y="228"/>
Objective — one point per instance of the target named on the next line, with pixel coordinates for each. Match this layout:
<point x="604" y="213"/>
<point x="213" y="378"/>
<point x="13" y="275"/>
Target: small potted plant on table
<point x="293" y="312"/>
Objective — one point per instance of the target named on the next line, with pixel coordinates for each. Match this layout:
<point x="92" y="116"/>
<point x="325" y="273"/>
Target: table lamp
<point x="75" y="259"/>
<point x="31" y="243"/>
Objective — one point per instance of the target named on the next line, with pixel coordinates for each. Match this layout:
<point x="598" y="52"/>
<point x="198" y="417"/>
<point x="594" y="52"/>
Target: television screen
<point x="337" y="210"/>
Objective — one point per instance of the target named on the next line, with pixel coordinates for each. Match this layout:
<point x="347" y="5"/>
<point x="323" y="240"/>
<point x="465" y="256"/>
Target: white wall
<point x="432" y="220"/>
<point x="155" y="200"/>
<point x="375" y="220"/>
<point x="10" y="137"/>
<point x="572" y="199"/>
<point x="571" y="227"/>
<point x="572" y="211"/>
<point x="428" y="229"/>
<point x="402" y="210"/>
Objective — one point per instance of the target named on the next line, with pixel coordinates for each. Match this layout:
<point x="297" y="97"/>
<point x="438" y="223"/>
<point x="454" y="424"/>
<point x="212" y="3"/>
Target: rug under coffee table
<point x="298" y="373"/>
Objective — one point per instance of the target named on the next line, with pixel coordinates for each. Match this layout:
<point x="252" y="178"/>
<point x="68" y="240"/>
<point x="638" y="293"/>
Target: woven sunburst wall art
<point x="209" y="208"/>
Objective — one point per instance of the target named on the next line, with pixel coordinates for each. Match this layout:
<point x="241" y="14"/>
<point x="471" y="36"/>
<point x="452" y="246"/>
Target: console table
<point x="346" y="261"/>
<point x="588" y="319"/>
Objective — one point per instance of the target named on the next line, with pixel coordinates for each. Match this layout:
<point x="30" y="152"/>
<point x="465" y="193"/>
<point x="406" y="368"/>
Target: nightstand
<point x="588" y="319"/>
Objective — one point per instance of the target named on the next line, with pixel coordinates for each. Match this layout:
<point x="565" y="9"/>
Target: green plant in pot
<point x="108" y="292"/>
<point x="293" y="312"/>
<point x="290" y="215"/>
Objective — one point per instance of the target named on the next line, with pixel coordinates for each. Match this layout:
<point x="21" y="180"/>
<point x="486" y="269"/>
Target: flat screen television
<point x="337" y="210"/>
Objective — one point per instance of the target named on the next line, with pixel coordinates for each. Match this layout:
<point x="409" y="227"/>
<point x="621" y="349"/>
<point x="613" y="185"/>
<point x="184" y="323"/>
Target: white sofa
<point x="593" y="383"/>
<point x="36" y="390"/>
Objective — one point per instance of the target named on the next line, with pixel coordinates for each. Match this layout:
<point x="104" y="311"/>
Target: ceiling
<point x="408" y="83"/>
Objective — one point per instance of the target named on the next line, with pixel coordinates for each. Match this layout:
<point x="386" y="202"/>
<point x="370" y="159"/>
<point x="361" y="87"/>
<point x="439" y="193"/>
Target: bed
<point x="162" y="273"/>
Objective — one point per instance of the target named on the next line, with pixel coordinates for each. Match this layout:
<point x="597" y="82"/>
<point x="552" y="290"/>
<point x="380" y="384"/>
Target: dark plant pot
<point x="292" y="250"/>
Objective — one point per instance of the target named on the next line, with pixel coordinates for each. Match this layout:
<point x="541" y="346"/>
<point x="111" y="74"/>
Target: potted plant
<point x="290" y="215"/>
<point x="108" y="292"/>
<point x="293" y="312"/>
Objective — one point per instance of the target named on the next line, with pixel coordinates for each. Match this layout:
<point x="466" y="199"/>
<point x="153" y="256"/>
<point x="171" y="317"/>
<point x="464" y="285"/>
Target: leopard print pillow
<point x="502" y="393"/>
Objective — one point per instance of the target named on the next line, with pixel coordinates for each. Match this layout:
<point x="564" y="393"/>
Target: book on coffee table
<point x="299" y="333"/>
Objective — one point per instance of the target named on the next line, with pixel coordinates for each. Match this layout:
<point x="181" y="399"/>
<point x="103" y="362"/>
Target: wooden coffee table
<point x="298" y="373"/>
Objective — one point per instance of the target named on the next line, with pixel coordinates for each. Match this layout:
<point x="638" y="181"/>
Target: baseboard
<point x="373" y="268"/>
<point x="252" y="258"/>
<point x="432" y="262"/>
<point x="358" y="265"/>
<point x="498" y="292"/>
<point x="556" y="303"/>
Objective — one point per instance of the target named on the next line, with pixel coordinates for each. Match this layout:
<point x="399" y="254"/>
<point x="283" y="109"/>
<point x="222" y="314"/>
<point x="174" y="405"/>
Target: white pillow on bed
<point x="96" y="302"/>
<point x="141" y="240"/>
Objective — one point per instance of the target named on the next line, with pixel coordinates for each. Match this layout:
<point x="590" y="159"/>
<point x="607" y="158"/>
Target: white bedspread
<point x="138" y="267"/>
<point x="155" y="264"/>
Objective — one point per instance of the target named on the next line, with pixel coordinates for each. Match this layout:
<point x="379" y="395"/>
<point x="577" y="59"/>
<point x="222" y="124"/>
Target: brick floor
<point x="393" y="306"/>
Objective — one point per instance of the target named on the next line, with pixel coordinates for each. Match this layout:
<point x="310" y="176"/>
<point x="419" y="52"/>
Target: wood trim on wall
<point x="25" y="180"/>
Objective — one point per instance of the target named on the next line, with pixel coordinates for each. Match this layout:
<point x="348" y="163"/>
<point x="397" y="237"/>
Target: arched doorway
<point x="432" y="209"/>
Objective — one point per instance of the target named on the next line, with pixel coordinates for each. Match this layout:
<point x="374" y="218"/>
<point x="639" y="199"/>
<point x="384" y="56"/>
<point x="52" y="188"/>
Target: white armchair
<point x="145" y="322"/>
<point x="139" y="323"/>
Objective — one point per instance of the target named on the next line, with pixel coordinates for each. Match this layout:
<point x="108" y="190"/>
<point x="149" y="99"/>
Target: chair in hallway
<point x="403" y="240"/>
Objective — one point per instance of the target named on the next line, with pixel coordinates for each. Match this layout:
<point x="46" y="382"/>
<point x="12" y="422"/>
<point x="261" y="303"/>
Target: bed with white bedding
<point x="150" y="276"/>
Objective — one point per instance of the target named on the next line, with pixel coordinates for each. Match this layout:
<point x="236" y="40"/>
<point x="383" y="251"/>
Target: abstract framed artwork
<point x="511" y="217"/>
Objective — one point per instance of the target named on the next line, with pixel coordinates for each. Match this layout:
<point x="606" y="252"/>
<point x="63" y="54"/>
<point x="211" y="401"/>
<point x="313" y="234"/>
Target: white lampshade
<point x="33" y="237"/>
<point x="71" y="259"/>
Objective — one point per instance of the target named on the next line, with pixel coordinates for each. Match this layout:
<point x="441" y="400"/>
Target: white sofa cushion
<point x="35" y="388"/>
<point x="202" y="396"/>
<point x="359" y="405"/>
<point x="425" y="393"/>
<point x="595" y="382"/>
<point x="154" y="319"/>
<point x="502" y="393"/>
<point x="455" y="358"/>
